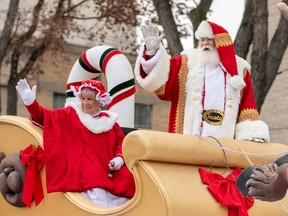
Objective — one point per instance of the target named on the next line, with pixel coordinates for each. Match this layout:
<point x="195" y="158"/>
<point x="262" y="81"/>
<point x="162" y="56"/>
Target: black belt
<point x="213" y="116"/>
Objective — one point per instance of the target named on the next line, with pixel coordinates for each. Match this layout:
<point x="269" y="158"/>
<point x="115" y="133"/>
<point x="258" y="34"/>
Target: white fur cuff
<point x="248" y="129"/>
<point x="159" y="72"/>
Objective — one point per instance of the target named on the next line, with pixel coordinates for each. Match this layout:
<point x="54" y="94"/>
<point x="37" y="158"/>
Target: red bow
<point x="32" y="184"/>
<point x="225" y="191"/>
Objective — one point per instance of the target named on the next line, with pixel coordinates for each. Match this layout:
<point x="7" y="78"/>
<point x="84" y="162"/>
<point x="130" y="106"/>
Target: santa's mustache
<point x="207" y="48"/>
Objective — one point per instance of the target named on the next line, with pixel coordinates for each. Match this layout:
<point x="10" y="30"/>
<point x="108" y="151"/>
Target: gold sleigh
<point x="165" y="167"/>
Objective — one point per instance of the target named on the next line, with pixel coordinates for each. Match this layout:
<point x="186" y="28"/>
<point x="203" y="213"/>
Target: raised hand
<point x="152" y="38"/>
<point x="27" y="94"/>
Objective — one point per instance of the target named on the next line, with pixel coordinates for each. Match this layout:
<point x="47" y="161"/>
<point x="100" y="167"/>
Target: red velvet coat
<point x="76" y="159"/>
<point x="181" y="81"/>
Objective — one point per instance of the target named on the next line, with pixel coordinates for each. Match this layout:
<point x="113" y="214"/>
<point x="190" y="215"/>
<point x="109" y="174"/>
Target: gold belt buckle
<point x="213" y="116"/>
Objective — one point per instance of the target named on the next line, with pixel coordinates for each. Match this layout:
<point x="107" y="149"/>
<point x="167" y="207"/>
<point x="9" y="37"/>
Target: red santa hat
<point x="101" y="95"/>
<point x="223" y="42"/>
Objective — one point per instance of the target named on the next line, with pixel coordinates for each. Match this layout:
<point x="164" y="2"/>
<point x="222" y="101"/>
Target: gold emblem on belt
<point x="213" y="116"/>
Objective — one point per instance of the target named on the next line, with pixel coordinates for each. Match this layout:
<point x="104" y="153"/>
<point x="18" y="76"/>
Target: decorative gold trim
<point x="250" y="114"/>
<point x="160" y="91"/>
<point x="223" y="39"/>
<point x="245" y="72"/>
<point x="182" y="79"/>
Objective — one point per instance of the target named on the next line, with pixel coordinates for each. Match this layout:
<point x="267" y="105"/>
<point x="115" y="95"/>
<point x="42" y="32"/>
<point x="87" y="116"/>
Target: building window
<point x="59" y="100"/>
<point x="143" y="115"/>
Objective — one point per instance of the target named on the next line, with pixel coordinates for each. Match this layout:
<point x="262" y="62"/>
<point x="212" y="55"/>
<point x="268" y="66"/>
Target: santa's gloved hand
<point x="116" y="163"/>
<point x="27" y="94"/>
<point x="152" y="38"/>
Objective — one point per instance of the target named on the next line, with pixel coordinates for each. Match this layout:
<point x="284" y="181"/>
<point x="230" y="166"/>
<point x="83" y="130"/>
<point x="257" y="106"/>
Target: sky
<point x="227" y="13"/>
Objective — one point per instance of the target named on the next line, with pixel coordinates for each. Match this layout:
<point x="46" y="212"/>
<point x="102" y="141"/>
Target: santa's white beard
<point x="208" y="55"/>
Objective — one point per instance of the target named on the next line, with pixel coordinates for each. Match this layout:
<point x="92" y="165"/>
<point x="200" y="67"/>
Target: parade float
<point x="175" y="174"/>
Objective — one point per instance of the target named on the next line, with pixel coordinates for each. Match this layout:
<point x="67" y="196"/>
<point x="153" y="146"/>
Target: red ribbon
<point x="32" y="184"/>
<point x="226" y="192"/>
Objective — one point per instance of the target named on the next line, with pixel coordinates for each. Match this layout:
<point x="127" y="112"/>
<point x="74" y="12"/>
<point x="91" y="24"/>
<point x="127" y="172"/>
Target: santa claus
<point x="209" y="88"/>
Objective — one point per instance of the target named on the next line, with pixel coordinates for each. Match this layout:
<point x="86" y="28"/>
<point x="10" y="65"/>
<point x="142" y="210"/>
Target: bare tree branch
<point x="198" y="14"/>
<point x="169" y="25"/>
<point x="52" y="27"/>
<point x="22" y="39"/>
<point x="7" y="30"/>
<point x="259" y="49"/>
<point x="244" y="35"/>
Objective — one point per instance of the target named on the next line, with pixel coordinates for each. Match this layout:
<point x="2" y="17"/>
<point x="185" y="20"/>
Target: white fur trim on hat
<point x="248" y="129"/>
<point x="204" y="30"/>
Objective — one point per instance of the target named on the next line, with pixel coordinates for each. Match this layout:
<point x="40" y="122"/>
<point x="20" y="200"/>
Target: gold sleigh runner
<point x="166" y="171"/>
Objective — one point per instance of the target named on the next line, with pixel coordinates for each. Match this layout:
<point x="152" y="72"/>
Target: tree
<point x="18" y="39"/>
<point x="28" y="33"/>
<point x="5" y="37"/>
<point x="169" y="25"/>
<point x="196" y="15"/>
<point x="253" y="34"/>
<point x="265" y="57"/>
<point x="170" y="15"/>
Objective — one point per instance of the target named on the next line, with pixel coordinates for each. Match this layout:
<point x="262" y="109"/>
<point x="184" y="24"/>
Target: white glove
<point x="152" y="38"/>
<point x="116" y="163"/>
<point x="27" y="94"/>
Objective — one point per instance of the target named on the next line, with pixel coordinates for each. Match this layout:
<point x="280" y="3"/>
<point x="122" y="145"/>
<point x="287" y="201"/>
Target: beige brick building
<point x="150" y="111"/>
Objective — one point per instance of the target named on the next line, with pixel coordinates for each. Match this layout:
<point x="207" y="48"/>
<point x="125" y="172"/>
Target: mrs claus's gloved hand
<point x="152" y="38"/>
<point x="27" y="94"/>
<point x="116" y="163"/>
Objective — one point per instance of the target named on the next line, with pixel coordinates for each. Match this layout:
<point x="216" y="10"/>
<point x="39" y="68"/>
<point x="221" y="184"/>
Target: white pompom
<point x="237" y="82"/>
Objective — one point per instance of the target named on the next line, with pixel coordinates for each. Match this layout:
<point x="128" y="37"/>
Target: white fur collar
<point x="97" y="124"/>
<point x="194" y="88"/>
